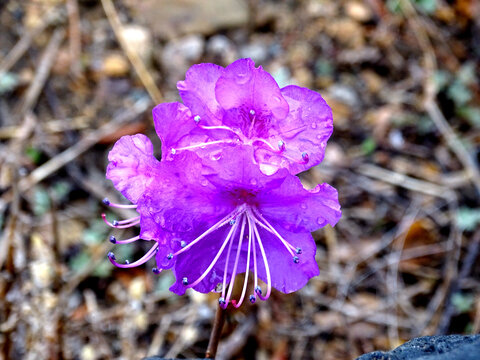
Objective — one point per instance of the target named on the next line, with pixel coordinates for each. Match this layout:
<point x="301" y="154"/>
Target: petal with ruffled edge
<point x="307" y="210"/>
<point x="198" y="92"/>
<point x="132" y="167"/>
<point x="305" y="130"/>
<point x="173" y="124"/>
<point x="246" y="87"/>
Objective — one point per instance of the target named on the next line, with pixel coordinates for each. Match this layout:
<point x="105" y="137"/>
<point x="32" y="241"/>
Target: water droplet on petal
<point x="197" y="119"/>
<point x="305" y="157"/>
<point x="252" y="112"/>
<point x="314" y="125"/>
<point x="216" y="156"/>
<point x="253" y="182"/>
<point x="320" y="221"/>
<point x="173" y="151"/>
<point x="183" y="244"/>
<point x="241" y="78"/>
<point x="303" y="206"/>
<point x="319" y="136"/>
<point x="204" y="182"/>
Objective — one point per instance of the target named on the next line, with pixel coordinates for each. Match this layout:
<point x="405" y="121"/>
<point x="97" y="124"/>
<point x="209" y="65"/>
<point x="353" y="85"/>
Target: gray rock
<point x="450" y="347"/>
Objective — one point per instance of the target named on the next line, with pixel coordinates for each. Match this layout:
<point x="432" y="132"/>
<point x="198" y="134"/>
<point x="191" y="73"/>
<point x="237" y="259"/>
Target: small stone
<point x="115" y="65"/>
<point x="358" y="11"/>
<point x="139" y="40"/>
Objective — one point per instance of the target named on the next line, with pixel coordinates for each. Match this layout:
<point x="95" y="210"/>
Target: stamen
<point x="185" y="281"/>
<point x="222" y="127"/>
<point x="122" y="224"/>
<point x="227" y="141"/>
<point x="265" y="262"/>
<point x="298" y="250"/>
<point x="227" y="260"/>
<point x="215" y="259"/>
<point x="126" y="241"/>
<point x="113" y="240"/>
<point x="234" y="273"/>
<point x="215" y="227"/>
<point x="120" y="206"/>
<point x="252" y="299"/>
<point x="247" y="269"/>
<point x="289" y="246"/>
<point x="296" y="259"/>
<point x="222" y="302"/>
<point x="255" y="273"/>
<point x="140" y="261"/>
<point x="183" y="244"/>
<point x="281" y="145"/>
<point x="156" y="270"/>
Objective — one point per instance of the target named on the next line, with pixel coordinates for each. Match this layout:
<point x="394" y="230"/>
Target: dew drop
<point x="204" y="182"/>
<point x="216" y="156"/>
<point x="314" y="125"/>
<point x="252" y="112"/>
<point x="241" y="78"/>
<point x="173" y="151"/>
<point x="281" y="145"/>
<point x="197" y="119"/>
<point x="253" y="182"/>
<point x="305" y="157"/>
<point x="303" y="206"/>
<point x="319" y="136"/>
<point x="183" y="244"/>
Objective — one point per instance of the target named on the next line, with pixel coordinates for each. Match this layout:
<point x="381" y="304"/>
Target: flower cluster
<point x="224" y="199"/>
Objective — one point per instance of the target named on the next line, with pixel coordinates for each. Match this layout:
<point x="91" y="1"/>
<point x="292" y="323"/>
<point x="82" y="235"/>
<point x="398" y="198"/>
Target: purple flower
<point x="213" y="217"/>
<point x="241" y="104"/>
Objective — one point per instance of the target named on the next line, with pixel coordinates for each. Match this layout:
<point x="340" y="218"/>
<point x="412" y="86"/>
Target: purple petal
<point x="132" y="166"/>
<point x="244" y="86"/>
<point x="195" y="261"/>
<point x="298" y="209"/>
<point x="181" y="199"/>
<point x="173" y="124"/>
<point x="198" y="91"/>
<point x="306" y="129"/>
<point x="287" y="276"/>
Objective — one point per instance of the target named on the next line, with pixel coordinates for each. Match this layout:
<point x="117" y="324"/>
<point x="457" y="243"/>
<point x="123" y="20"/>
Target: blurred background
<point x="402" y="77"/>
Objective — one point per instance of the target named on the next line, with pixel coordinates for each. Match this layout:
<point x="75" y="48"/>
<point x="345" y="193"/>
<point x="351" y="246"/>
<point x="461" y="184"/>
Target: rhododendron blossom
<point x="223" y="200"/>
<point x="241" y="104"/>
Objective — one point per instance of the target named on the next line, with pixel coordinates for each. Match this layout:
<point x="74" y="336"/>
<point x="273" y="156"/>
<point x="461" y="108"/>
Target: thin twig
<point x="43" y="70"/>
<point x="75" y="40"/>
<point x="216" y="333"/>
<point x="83" y="145"/>
<point x="132" y="55"/>
<point x="24" y="43"/>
